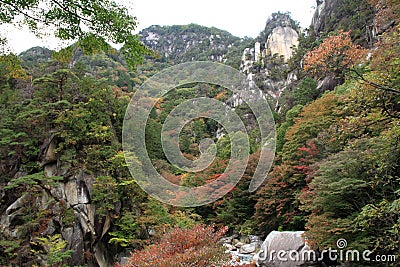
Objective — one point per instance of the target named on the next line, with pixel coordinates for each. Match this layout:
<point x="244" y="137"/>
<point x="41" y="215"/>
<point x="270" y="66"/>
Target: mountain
<point x="263" y="59"/>
<point x="66" y="138"/>
<point x="67" y="197"/>
<point x="36" y="55"/>
<point x="182" y="43"/>
<point x="109" y="67"/>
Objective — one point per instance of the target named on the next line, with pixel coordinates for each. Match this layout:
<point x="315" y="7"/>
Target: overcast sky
<point x="241" y="18"/>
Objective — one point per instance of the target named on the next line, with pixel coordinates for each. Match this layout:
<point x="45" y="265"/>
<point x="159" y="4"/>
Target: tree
<point x="313" y="120"/>
<point x="354" y="195"/>
<point x="284" y="127"/>
<point x="52" y="250"/>
<point x="57" y="78"/>
<point x="90" y="23"/>
<point x="335" y="56"/>
<point x="306" y="92"/>
<point x="197" y="247"/>
<point x="275" y="207"/>
<point x="236" y="208"/>
<point x="379" y="80"/>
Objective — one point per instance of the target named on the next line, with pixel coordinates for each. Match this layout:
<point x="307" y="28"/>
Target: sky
<point x="240" y="18"/>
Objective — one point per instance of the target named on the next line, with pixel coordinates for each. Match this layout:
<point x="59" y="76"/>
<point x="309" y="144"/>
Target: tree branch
<point x="375" y="85"/>
<point x="66" y="9"/>
<point x="15" y="8"/>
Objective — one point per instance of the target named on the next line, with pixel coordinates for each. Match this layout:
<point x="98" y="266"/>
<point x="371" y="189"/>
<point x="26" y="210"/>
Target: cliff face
<point x="281" y="42"/>
<point x="356" y="16"/>
<point x="323" y="10"/>
<point x="67" y="209"/>
<point x="265" y="62"/>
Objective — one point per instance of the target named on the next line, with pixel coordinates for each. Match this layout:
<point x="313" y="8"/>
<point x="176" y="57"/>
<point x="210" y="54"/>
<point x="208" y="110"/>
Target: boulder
<point x="228" y="239"/>
<point x="284" y="249"/>
<point x="248" y="248"/>
<point x="239" y="244"/>
<point x="254" y="239"/>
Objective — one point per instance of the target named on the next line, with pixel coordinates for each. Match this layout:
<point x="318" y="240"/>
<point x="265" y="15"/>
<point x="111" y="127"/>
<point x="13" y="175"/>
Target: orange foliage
<point x="275" y="199"/>
<point x="314" y="118"/>
<point x="220" y="95"/>
<point x="335" y="55"/>
<point x="198" y="247"/>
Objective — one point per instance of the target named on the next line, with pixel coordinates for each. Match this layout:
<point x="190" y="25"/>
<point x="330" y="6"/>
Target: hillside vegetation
<point x="67" y="197"/>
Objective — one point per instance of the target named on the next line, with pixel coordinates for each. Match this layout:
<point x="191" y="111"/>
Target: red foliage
<point x="309" y="153"/>
<point x="197" y="247"/>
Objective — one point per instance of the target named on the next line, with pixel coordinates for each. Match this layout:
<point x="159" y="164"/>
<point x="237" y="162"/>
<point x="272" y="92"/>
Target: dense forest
<point x="67" y="197"/>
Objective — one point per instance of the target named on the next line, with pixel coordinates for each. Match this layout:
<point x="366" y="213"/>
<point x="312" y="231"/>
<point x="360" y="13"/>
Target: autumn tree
<point x="335" y="56"/>
<point x="197" y="247"/>
<point x="236" y="208"/>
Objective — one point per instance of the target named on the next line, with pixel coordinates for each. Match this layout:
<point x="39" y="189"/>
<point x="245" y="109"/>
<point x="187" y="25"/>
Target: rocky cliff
<point x="46" y="186"/>
<point x="324" y="7"/>
<point x="349" y="15"/>
<point x="265" y="62"/>
<point x="66" y="208"/>
<point x="281" y="42"/>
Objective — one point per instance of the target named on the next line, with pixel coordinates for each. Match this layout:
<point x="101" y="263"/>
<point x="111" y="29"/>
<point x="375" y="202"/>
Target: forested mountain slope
<point x="67" y="197"/>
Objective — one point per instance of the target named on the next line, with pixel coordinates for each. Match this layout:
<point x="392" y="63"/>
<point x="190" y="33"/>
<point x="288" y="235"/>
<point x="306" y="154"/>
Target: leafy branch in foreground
<point x="84" y="21"/>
